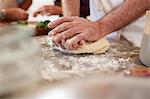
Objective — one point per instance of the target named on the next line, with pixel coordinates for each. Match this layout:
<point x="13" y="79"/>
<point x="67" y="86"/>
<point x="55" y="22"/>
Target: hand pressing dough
<point x="98" y="47"/>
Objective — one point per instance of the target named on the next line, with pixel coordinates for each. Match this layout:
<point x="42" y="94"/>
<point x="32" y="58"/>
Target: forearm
<point x="26" y="4"/>
<point x="123" y="15"/>
<point x="71" y="7"/>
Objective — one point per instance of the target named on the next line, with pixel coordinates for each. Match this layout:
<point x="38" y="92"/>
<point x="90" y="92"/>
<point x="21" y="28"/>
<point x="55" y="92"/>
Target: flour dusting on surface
<point x="119" y="57"/>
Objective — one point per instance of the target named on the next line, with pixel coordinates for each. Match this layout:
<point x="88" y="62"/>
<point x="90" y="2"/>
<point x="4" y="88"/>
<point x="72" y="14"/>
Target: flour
<point x="58" y="65"/>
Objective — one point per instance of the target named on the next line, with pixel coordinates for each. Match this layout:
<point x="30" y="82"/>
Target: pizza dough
<point x="97" y="47"/>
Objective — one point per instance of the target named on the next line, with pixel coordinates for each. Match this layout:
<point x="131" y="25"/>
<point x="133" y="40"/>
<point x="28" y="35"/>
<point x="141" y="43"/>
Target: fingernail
<point x="49" y="25"/>
<point x="51" y="33"/>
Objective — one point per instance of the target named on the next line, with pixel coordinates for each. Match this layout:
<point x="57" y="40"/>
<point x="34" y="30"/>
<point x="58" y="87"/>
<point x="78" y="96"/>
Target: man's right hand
<point x="15" y="14"/>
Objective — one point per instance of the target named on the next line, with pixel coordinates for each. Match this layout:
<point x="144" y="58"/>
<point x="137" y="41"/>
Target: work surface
<point x="56" y="65"/>
<point x="60" y="69"/>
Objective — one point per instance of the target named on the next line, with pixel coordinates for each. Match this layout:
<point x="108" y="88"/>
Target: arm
<point x="71" y="7"/>
<point x="26" y="4"/>
<point x="13" y="14"/>
<point x="123" y="15"/>
<point x="79" y="29"/>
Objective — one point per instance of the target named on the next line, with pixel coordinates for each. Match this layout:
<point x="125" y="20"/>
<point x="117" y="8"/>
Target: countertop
<point x="56" y="65"/>
<point x="59" y="68"/>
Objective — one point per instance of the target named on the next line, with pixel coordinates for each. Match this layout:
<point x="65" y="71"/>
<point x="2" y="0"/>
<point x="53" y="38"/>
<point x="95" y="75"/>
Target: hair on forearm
<point x="126" y="13"/>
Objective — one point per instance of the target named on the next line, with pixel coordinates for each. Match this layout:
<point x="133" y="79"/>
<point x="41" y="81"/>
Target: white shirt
<point x="132" y="33"/>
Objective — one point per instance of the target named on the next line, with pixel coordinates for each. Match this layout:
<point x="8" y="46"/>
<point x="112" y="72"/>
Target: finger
<point x="76" y="46"/>
<point x="61" y="28"/>
<point x="35" y="14"/>
<point x="59" y="21"/>
<point x="82" y="42"/>
<point x="74" y="41"/>
<point x="24" y="16"/>
<point x="79" y="45"/>
<point x="63" y="42"/>
<point x="48" y="14"/>
<point x="57" y="41"/>
<point x="53" y="40"/>
<point x="42" y="13"/>
<point x="71" y="32"/>
<point x="68" y="34"/>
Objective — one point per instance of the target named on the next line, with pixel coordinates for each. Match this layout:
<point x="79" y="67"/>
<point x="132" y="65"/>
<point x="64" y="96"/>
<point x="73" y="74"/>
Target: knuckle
<point x="56" y="39"/>
<point x="64" y="36"/>
<point x="67" y="42"/>
<point x="66" y="32"/>
<point x="55" y="30"/>
<point x="62" y="18"/>
<point x="59" y="37"/>
<point x="82" y="36"/>
<point x="79" y="36"/>
<point x="56" y="42"/>
<point x="68" y="24"/>
<point x="70" y="47"/>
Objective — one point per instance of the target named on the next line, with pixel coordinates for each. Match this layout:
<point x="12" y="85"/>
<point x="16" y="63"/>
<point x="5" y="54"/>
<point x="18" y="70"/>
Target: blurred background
<point x="35" y="6"/>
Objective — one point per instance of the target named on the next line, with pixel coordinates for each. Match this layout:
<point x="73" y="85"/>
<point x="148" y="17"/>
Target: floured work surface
<point x="55" y="64"/>
<point x="58" y="67"/>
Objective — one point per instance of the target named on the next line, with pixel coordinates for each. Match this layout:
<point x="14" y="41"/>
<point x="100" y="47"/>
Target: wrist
<point x="104" y="28"/>
<point x="101" y="29"/>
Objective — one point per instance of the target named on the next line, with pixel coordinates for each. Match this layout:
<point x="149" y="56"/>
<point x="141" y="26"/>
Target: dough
<point x="97" y="47"/>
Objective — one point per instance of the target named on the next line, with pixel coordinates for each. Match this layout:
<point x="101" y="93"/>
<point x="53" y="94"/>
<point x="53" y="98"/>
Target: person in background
<point x="14" y="10"/>
<point x="57" y="9"/>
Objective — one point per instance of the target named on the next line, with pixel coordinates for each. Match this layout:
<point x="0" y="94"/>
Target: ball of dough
<point x="98" y="47"/>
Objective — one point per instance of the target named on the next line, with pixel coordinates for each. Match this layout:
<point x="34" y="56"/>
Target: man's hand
<point x="72" y="32"/>
<point x="15" y="14"/>
<point x="48" y="10"/>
